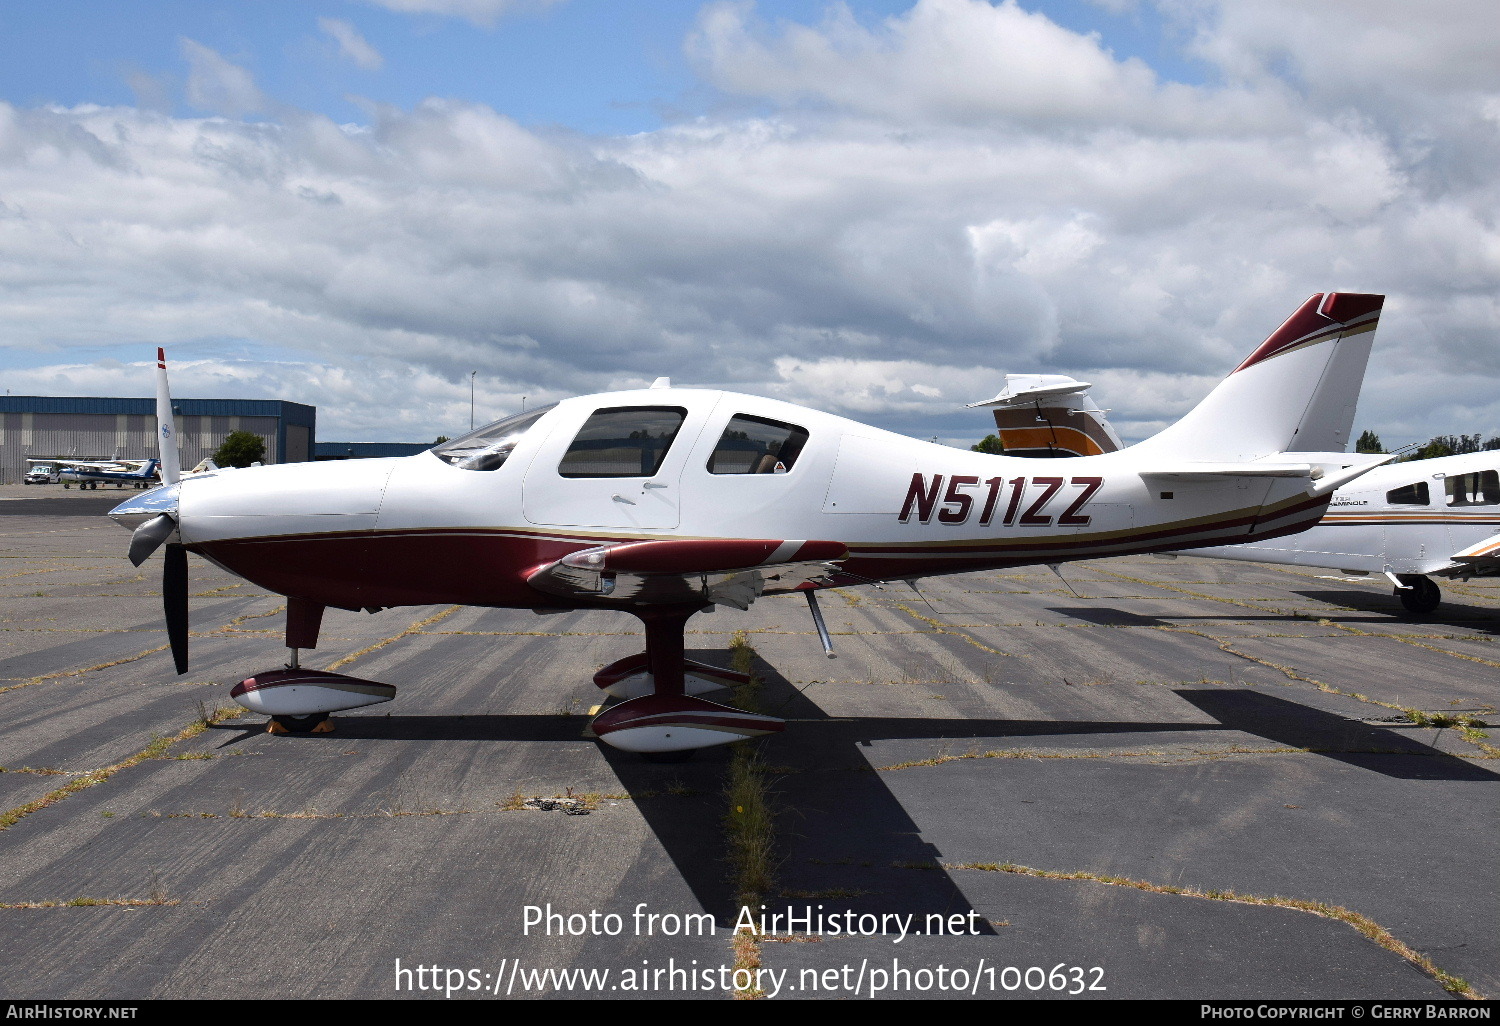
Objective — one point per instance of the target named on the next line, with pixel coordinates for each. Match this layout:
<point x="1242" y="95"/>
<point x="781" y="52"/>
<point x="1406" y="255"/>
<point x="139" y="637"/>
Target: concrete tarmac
<point x="1189" y="779"/>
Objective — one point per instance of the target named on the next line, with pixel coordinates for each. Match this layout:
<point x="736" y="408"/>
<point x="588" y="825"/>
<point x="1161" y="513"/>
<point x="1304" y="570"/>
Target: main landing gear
<point x="1420" y="596"/>
<point x="661" y="716"/>
<point x="662" y="719"/>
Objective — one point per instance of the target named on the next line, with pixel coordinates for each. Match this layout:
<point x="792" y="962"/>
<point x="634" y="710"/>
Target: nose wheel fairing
<point x="301" y="693"/>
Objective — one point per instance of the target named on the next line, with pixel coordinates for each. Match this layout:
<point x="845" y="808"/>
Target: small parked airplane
<point x="663" y="502"/>
<point x="1409" y="522"/>
<point x="1050" y="415"/>
<point x="91" y="473"/>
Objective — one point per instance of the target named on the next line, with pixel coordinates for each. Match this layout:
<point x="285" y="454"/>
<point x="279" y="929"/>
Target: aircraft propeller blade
<point x="174" y="601"/>
<point x="147" y="538"/>
<point x="166" y="424"/>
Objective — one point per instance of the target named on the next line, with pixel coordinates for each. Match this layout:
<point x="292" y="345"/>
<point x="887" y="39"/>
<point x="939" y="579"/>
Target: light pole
<point x="471" y="399"/>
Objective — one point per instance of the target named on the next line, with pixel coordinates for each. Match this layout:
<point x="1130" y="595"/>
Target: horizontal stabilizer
<point x="1209" y="471"/>
<point x="1328" y="471"/>
<point x="1025" y="389"/>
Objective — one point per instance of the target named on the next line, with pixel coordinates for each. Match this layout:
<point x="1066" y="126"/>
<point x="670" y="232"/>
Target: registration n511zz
<point x="1016" y="502"/>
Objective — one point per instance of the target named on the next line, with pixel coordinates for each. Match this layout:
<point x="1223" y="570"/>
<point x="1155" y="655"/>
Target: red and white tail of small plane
<point x="1295" y="394"/>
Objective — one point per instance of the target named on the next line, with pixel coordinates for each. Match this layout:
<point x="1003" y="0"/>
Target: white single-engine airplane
<point x="1407" y="521"/>
<point x="664" y="502"/>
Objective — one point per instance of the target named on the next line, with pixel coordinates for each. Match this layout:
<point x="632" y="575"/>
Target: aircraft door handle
<point x="621" y="498"/>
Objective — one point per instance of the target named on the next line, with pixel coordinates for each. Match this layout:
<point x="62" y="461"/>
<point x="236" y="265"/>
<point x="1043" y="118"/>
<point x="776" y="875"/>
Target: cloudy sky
<point x="877" y="207"/>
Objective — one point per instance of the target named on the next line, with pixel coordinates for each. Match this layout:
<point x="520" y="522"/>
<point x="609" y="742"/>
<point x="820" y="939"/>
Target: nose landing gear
<point x="300" y="701"/>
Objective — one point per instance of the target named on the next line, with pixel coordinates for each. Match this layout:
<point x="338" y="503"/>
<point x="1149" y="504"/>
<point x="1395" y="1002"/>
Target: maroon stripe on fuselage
<point x="1174" y="533"/>
<point x="475" y="567"/>
<point x="888" y="567"/>
<point x="464" y="567"/>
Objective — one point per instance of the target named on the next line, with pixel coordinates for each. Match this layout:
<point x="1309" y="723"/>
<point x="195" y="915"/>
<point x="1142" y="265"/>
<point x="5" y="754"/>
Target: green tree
<point x="990" y="444"/>
<point x="1369" y="441"/>
<point x="240" y="449"/>
<point x="440" y="440"/>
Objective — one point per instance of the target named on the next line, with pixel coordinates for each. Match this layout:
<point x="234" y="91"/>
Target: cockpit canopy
<point x="490" y="446"/>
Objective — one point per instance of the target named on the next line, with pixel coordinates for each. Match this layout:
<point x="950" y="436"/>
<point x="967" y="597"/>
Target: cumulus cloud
<point x="480" y="12"/>
<point x="351" y="44"/>
<point x="947" y="60"/>
<point x="1006" y="196"/>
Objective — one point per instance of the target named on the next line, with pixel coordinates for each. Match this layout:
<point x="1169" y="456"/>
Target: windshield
<point x="490" y="446"/>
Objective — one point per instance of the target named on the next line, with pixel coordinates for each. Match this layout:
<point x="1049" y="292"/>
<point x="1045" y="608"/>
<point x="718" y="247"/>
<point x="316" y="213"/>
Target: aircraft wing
<point x="88" y="464"/>
<point x="724" y="571"/>
<point x="1483" y="558"/>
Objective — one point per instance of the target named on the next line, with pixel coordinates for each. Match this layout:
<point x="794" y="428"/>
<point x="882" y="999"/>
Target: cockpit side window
<point x="490" y="446"/>
<point x="1410" y="495"/>
<point x="623" y="441"/>
<point x="1478" y="489"/>
<point x="755" y="445"/>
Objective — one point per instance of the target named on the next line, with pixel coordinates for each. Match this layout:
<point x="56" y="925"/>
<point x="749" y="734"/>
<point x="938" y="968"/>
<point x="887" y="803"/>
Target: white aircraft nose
<point x="290" y="499"/>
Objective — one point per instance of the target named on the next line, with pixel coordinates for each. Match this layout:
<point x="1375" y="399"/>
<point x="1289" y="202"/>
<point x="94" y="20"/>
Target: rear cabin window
<point x="755" y="445"/>
<point x="625" y="441"/>
<point x="1411" y="495"/>
<point x="1479" y="489"/>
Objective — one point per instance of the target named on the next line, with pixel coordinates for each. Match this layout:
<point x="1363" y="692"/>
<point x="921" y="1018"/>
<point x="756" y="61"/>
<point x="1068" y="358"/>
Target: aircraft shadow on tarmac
<point x="1456" y="613"/>
<point x="1383" y="750"/>
<point x="845" y="807"/>
<point x="1357" y="607"/>
<point x="1109" y="616"/>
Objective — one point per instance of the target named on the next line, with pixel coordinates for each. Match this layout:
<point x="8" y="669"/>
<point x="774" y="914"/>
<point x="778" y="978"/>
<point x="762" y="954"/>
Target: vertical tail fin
<point x="1296" y="392"/>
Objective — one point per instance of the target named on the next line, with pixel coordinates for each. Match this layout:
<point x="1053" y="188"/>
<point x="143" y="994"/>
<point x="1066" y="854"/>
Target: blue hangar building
<point x="62" y="427"/>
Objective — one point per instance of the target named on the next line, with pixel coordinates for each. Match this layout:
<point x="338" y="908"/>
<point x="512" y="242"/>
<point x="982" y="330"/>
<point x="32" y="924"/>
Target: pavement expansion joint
<point x="1362" y="923"/>
<point x="749" y="818"/>
<point x="157" y="747"/>
<point x="943" y="628"/>
<point x="132" y="903"/>
<point x="415" y="628"/>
